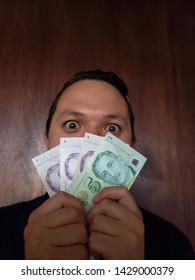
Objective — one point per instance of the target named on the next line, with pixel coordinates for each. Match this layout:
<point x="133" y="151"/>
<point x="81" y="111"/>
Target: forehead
<point x="105" y="158"/>
<point x="92" y="90"/>
<point x="108" y="155"/>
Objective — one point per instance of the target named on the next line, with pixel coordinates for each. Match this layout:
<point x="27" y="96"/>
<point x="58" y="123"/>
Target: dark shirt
<point x="163" y="241"/>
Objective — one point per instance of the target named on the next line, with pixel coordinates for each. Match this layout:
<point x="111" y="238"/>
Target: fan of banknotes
<point x="82" y="166"/>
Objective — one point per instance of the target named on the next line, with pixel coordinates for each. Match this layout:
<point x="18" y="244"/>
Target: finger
<point x="113" y="210"/>
<point x="63" y="216"/>
<point x="101" y="245"/>
<point x="60" y="200"/>
<point x="116" y="248"/>
<point x="108" y="208"/>
<point x="75" y="252"/>
<point x="69" y="235"/>
<point x="104" y="224"/>
<point x="121" y="195"/>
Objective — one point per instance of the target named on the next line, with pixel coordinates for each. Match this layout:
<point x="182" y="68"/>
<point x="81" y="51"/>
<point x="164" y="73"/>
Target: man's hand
<point x="57" y="230"/>
<point x="116" y="229"/>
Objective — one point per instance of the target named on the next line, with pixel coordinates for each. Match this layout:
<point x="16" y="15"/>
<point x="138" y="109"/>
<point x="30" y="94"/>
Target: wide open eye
<point x="113" y="128"/>
<point x="71" y="125"/>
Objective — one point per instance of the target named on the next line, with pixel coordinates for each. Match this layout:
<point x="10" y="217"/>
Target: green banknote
<point x="114" y="163"/>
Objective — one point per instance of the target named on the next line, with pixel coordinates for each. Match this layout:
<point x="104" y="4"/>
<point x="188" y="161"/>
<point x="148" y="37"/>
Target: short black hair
<point x="97" y="74"/>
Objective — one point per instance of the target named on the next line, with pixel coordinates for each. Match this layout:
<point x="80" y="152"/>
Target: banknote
<point x="47" y="165"/>
<point x="69" y="153"/>
<point x="89" y="146"/>
<point x="114" y="163"/>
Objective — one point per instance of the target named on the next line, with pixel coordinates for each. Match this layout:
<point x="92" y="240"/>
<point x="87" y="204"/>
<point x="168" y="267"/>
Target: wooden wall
<point x="150" y="44"/>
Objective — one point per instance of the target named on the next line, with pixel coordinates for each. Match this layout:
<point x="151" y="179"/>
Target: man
<point x="115" y="228"/>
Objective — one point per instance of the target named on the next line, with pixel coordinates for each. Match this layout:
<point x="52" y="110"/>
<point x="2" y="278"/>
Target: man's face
<point x="90" y="106"/>
<point x="111" y="169"/>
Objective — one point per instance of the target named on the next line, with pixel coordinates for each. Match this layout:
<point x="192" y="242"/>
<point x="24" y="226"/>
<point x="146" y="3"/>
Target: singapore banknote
<point x="69" y="154"/>
<point x="89" y="146"/>
<point x="48" y="167"/>
<point x="113" y="164"/>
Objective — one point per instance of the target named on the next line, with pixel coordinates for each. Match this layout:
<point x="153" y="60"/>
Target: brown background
<point x="150" y="44"/>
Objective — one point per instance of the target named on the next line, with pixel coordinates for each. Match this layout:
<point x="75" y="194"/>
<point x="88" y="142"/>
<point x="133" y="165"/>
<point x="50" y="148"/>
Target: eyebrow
<point x="69" y="112"/>
<point x="106" y="116"/>
<point x="115" y="116"/>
